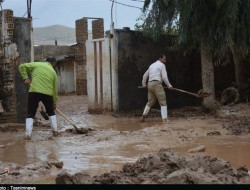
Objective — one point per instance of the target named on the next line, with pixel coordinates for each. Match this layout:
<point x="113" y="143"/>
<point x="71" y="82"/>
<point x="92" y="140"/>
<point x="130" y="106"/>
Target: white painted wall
<point x="100" y="72"/>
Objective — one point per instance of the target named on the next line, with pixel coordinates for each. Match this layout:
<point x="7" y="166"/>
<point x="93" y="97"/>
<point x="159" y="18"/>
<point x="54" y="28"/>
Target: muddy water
<point x="231" y="148"/>
<point x="25" y="152"/>
<point x="126" y="124"/>
<point x="106" y="153"/>
<point x="117" y="141"/>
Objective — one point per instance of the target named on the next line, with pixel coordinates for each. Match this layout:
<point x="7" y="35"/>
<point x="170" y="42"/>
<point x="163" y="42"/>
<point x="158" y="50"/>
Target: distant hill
<point x="48" y="35"/>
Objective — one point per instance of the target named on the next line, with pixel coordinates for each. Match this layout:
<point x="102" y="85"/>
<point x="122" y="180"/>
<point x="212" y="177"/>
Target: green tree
<point x="241" y="38"/>
<point x="209" y="25"/>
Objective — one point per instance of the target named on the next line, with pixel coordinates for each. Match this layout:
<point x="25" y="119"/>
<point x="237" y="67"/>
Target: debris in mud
<point x="18" y="174"/>
<point x="66" y="178"/>
<point x="212" y="108"/>
<point x="214" y="133"/>
<point x="201" y="148"/>
<point x="5" y="171"/>
<point x="80" y="131"/>
<point x="242" y="172"/>
<point x="230" y="96"/>
<point x="57" y="164"/>
<point x="165" y="167"/>
<point x="236" y="125"/>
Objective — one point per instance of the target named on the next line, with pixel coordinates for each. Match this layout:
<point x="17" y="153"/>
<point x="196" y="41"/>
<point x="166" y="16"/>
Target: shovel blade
<point x="45" y="115"/>
<point x="1" y="107"/>
<point x="205" y="94"/>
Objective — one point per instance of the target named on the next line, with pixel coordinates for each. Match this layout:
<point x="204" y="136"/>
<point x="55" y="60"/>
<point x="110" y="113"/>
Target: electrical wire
<point x="138" y="1"/>
<point x="116" y="22"/>
<point x="127" y="5"/>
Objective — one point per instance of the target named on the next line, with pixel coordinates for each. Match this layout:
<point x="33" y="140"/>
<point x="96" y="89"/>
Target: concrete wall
<point x="41" y="52"/>
<point x="99" y="75"/>
<point x="22" y="39"/>
<point x="136" y="53"/>
<point x="102" y="70"/>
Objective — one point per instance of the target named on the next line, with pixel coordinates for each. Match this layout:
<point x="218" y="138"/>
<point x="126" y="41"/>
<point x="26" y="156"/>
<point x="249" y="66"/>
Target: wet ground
<point x="114" y="140"/>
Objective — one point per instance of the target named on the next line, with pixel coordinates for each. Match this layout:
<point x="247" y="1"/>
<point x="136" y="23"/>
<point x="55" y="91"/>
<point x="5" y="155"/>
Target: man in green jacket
<point x="43" y="87"/>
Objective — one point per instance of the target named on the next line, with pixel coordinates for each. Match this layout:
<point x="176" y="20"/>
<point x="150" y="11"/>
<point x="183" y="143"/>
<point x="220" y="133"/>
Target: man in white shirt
<point x="155" y="74"/>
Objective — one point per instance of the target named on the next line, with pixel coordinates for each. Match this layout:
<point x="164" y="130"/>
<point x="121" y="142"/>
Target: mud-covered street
<point x="194" y="147"/>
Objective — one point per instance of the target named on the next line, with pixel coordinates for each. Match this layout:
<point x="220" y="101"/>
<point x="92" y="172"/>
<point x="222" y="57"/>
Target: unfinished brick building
<point x="80" y="51"/>
<point x="13" y="94"/>
<point x="14" y="34"/>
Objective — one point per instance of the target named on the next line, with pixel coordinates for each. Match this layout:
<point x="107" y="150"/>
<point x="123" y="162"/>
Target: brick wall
<point x="80" y="56"/>
<point x="8" y="72"/>
<point x="8" y="93"/>
<point x="82" y="30"/>
<point x="98" y="28"/>
<point x="80" y="50"/>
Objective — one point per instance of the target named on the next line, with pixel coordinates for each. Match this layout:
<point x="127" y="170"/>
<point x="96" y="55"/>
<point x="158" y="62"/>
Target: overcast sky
<point x="65" y="12"/>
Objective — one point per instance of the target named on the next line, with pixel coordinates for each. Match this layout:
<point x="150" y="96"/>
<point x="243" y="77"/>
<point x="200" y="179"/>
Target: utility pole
<point x="111" y="45"/>
<point x="29" y="8"/>
<point x="29" y="2"/>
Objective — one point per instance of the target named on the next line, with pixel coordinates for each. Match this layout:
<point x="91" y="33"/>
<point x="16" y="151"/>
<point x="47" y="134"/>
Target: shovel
<point x="43" y="111"/>
<point x="198" y="95"/>
<point x="74" y="125"/>
<point x="45" y="115"/>
<point x="1" y="107"/>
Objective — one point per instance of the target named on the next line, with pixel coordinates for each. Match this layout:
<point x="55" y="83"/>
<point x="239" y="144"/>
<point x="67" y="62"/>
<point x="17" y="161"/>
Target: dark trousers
<point x="33" y="101"/>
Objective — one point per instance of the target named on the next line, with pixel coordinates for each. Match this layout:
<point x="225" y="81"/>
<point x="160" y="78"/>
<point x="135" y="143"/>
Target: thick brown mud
<point x="165" y="167"/>
<point x="113" y="141"/>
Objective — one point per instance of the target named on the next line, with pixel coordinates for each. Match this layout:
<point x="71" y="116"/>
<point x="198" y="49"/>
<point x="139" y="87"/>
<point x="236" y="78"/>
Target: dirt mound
<point x="237" y="126"/>
<point x="19" y="174"/>
<point x="165" y="167"/>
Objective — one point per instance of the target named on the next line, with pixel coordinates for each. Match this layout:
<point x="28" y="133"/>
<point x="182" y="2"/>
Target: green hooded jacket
<point x="43" y="78"/>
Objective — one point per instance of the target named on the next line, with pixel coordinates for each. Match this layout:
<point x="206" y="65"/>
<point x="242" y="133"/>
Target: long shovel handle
<point x="179" y="90"/>
<point x="65" y="117"/>
<point x="190" y="93"/>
